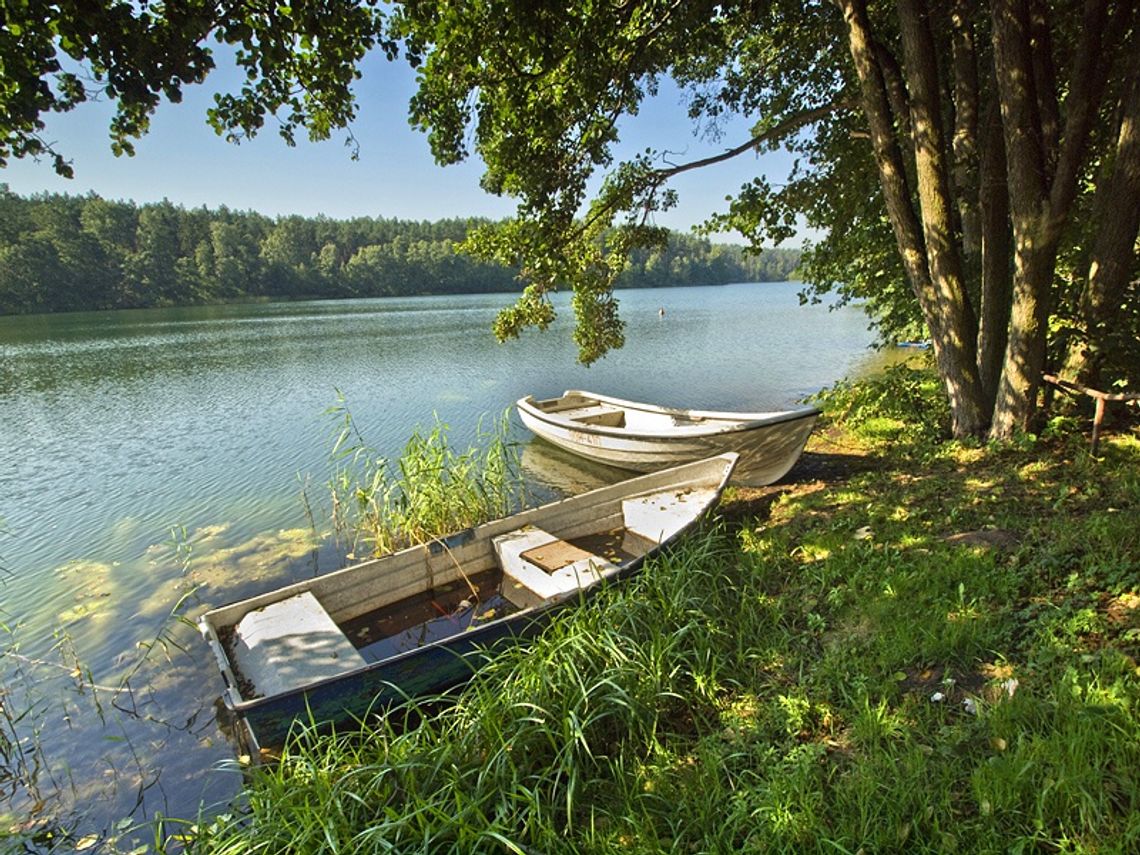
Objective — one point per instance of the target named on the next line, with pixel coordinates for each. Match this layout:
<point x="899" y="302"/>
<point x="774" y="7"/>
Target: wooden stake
<point x="1102" y="399"/>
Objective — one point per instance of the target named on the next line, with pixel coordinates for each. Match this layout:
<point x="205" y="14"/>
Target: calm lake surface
<point x="117" y="429"/>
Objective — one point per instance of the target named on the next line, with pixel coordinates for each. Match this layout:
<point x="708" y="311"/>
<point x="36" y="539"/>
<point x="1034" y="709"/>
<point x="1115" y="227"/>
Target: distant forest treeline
<point x="64" y="253"/>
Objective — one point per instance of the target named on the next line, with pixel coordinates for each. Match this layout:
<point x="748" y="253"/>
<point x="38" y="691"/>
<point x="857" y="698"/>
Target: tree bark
<point x="934" y="271"/>
<point x="997" y="296"/>
<point x="1040" y="197"/>
<point x="965" y="142"/>
<point x="1044" y="81"/>
<point x="1116" y="218"/>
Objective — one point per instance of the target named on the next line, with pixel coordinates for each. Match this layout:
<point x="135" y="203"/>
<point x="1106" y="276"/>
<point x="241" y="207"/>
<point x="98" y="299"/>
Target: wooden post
<point x="1098" y="419"/>
<point x="1101" y="398"/>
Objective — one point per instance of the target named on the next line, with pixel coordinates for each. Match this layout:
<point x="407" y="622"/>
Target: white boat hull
<point x="649" y="438"/>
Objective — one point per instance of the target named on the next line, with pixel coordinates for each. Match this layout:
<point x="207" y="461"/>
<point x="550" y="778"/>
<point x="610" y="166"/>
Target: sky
<point x="181" y="159"/>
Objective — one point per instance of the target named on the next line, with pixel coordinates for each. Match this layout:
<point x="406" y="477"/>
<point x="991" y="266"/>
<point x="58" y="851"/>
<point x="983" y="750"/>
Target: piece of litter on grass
<point x="1010" y="686"/>
<point x="937" y="698"/>
<point x="863" y="533"/>
<point x="970" y="706"/>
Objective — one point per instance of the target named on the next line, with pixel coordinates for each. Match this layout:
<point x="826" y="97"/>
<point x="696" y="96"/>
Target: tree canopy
<point x="975" y="166"/>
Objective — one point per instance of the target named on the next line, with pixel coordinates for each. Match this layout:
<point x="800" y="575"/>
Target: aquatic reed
<point x="379" y="505"/>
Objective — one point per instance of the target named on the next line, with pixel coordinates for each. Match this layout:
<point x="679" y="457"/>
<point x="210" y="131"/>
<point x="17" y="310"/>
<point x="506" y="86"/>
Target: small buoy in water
<point x="661" y="312"/>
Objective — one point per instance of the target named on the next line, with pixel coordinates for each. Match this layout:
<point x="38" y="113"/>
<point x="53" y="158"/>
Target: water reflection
<point x="555" y="473"/>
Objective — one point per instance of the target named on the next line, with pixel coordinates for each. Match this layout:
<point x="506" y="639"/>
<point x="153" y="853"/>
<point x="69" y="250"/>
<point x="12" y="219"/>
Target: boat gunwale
<point x="235" y="703"/>
<point x="742" y="421"/>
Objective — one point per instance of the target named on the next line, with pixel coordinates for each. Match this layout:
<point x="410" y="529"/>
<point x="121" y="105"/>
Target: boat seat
<point x="596" y="414"/>
<point x="659" y="516"/>
<point x="538" y="567"/>
<point x="291" y="643"/>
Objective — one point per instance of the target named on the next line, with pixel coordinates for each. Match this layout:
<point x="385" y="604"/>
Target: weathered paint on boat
<point x="424" y="671"/>
<point x="645" y="437"/>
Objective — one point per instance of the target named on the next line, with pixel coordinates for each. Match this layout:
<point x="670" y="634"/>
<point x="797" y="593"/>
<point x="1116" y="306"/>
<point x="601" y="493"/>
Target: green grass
<point x="767" y="687"/>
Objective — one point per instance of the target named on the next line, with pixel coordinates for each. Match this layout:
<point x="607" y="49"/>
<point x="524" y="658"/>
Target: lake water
<point x="117" y="429"/>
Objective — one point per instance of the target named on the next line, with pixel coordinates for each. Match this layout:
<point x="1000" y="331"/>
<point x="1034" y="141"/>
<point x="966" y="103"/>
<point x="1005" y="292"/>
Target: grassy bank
<point x="927" y="648"/>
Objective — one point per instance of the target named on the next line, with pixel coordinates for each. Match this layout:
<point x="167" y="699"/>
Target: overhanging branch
<point x="657" y="177"/>
<point x="785" y="127"/>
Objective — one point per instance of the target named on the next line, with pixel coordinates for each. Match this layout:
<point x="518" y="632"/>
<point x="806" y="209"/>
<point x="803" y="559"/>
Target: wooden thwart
<point x="555" y="555"/>
<point x="562" y="568"/>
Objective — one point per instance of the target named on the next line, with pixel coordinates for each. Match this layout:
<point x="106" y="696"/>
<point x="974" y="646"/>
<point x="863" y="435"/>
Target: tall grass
<point x="379" y="505"/>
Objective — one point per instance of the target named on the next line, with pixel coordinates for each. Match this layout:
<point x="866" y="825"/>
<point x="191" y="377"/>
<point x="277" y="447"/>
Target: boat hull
<point x="351" y="699"/>
<point x="652" y="510"/>
<point x="768" y="444"/>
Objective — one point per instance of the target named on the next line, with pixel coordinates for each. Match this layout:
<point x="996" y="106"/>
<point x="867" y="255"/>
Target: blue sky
<point x="182" y="160"/>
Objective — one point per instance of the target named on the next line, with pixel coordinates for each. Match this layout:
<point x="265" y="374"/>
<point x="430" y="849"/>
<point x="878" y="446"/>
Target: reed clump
<point x="380" y="505"/>
<point x="936" y="653"/>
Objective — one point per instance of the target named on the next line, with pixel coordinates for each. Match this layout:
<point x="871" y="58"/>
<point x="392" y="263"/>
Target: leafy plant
<point x="904" y="401"/>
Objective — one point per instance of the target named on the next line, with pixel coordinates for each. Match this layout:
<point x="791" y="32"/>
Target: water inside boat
<point x="444" y="611"/>
<point x="428" y="617"/>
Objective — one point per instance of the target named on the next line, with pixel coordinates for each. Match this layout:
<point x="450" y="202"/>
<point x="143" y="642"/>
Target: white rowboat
<point x="645" y="437"/>
<point x="351" y="643"/>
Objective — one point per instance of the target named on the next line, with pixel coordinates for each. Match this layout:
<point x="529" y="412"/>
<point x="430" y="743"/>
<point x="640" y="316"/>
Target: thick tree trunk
<point x="940" y="295"/>
<point x="957" y="347"/>
<point x="1034" y="260"/>
<point x="1116" y="218"/>
<point x="1033" y="257"/>
<point x="1040" y="197"/>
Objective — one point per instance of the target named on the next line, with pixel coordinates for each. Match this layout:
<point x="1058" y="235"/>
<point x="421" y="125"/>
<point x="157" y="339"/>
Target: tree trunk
<point x="1025" y="349"/>
<point x="1044" y="81"/>
<point x="1040" y="196"/>
<point x="1034" y="260"/>
<point x="940" y="296"/>
<point x="957" y="348"/>
<point x="1116" y="222"/>
<point x="965" y="144"/>
<point x="997" y="296"/>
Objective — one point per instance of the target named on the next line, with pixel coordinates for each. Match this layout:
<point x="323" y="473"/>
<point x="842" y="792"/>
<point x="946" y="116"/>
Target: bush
<point x="905" y="402"/>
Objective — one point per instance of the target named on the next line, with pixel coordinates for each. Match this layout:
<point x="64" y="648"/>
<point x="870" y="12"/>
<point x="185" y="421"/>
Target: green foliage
<point x="299" y="62"/>
<point x="432" y="490"/>
<point x="542" y="115"/>
<point x="904" y="400"/>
